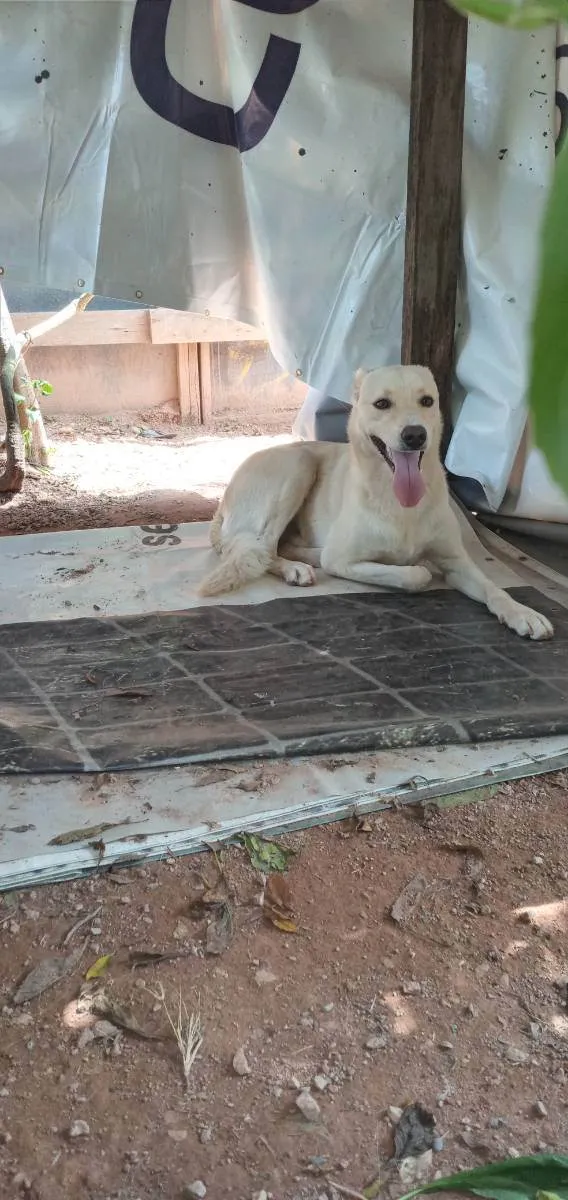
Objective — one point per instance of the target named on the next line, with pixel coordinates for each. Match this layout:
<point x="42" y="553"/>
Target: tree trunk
<point x="29" y="412"/>
<point x="13" y="477"/>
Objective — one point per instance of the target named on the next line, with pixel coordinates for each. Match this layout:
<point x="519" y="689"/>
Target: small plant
<point x="186" y="1028"/>
<point x="42" y="385"/>
<point x="534" y="1177"/>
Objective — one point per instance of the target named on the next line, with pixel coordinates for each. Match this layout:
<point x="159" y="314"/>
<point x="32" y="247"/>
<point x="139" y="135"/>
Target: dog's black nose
<point x="413" y="437"/>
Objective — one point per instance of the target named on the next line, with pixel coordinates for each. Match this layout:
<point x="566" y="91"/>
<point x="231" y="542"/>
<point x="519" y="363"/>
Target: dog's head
<point x="396" y="415"/>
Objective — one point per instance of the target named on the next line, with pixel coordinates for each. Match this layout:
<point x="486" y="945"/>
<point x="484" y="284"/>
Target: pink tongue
<point x="408" y="483"/>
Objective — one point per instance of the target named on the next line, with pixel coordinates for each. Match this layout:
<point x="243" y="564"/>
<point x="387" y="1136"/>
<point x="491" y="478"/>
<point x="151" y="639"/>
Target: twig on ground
<point x="186" y="1028"/>
<point x="79" y="924"/>
<point x="345" y="1191"/>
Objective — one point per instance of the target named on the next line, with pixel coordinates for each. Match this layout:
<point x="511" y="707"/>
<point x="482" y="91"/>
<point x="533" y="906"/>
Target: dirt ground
<point x="111" y="471"/>
<point x="461" y="1005"/>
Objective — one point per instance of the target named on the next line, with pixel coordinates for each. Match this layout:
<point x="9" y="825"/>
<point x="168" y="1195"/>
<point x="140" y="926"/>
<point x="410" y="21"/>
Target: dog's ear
<point x="357" y="383"/>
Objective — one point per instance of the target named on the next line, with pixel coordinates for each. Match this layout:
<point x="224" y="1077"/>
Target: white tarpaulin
<point x="247" y="158"/>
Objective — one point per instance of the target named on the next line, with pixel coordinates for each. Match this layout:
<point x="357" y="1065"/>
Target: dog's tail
<point x="243" y="560"/>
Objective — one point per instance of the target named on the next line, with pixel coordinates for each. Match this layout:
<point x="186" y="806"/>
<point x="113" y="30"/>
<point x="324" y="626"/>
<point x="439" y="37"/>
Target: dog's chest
<point x="390" y="539"/>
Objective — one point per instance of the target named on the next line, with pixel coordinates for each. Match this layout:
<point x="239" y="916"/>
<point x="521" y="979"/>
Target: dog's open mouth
<point x="408" y="483"/>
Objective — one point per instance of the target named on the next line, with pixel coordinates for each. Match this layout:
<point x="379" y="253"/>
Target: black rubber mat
<point x="308" y="675"/>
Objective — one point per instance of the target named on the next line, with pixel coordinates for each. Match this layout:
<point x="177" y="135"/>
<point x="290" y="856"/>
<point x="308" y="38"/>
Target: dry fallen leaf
<point x="110" y="1010"/>
<point x="277" y="904"/>
<point x="87" y="834"/>
<point x="47" y="973"/>
<point x="148" y="958"/>
<point x="220" y="930"/>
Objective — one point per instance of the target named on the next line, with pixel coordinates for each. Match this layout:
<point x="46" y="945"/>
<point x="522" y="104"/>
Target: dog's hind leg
<point x="257" y="508"/>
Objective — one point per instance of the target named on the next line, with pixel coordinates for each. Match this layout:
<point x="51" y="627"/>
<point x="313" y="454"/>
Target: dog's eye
<point x="382" y="402"/>
<point x="426" y="401"/>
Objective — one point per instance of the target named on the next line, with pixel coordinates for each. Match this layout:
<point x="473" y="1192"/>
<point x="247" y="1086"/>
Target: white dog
<point x="374" y="511"/>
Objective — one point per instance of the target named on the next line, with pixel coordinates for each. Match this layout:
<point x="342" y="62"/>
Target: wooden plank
<point x="92" y="328"/>
<point x="189" y="393"/>
<point x="205" y="382"/>
<point x="162" y="326"/>
<point x="169" y="326"/>
<point x="433" y="206"/>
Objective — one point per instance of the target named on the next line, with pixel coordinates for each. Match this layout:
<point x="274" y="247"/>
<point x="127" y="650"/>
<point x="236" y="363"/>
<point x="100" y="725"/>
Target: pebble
<point x="308" y="1106"/>
<point x="321" y="1082"/>
<point x="195" y="1191"/>
<point x="538" y="860"/>
<point x="377" y="1042"/>
<point x="263" y="977"/>
<point x="262" y="1195"/>
<point x="240" y="1063"/>
<point x="79" y="1129"/>
<point x="206" y="1135"/>
<point x="516" y="1056"/>
<point x="22" y="1182"/>
<point x="23" y="1019"/>
<point x="438" y="1145"/>
<point x="540" y="1109"/>
<point x="411" y="987"/>
<point x="177" y="1135"/>
<point x="181" y="931"/>
<point x="327" y="1008"/>
<point x="394" y="1114"/>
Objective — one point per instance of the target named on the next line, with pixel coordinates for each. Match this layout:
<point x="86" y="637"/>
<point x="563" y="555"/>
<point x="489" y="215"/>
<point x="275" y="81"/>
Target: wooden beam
<point x="188" y="383"/>
<point x="168" y="326"/>
<point x="433" y="205"/>
<point x="159" y="326"/>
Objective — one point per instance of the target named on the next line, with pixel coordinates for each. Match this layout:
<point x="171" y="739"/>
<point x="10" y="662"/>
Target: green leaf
<point x="548" y="393"/>
<point x="513" y="1179"/>
<point x="42" y="385"/>
<point x="516" y="14"/>
<point x="99" y="967"/>
<point x="265" y="856"/>
<point x="19" y="398"/>
<point x="33" y="415"/>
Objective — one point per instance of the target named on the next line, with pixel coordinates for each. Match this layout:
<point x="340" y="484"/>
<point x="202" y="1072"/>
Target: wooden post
<point x="433" y="205"/>
<point x="205" y="382"/>
<point x="188" y="383"/>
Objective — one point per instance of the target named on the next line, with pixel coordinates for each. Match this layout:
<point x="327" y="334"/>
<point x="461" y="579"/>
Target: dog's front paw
<point x="299" y="574"/>
<point x="418" y="578"/>
<point x="526" y="622"/>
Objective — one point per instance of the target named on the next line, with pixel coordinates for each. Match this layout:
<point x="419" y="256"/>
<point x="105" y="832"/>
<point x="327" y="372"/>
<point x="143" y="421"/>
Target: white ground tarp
<point x="151" y="813"/>
<point x="247" y="158"/>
